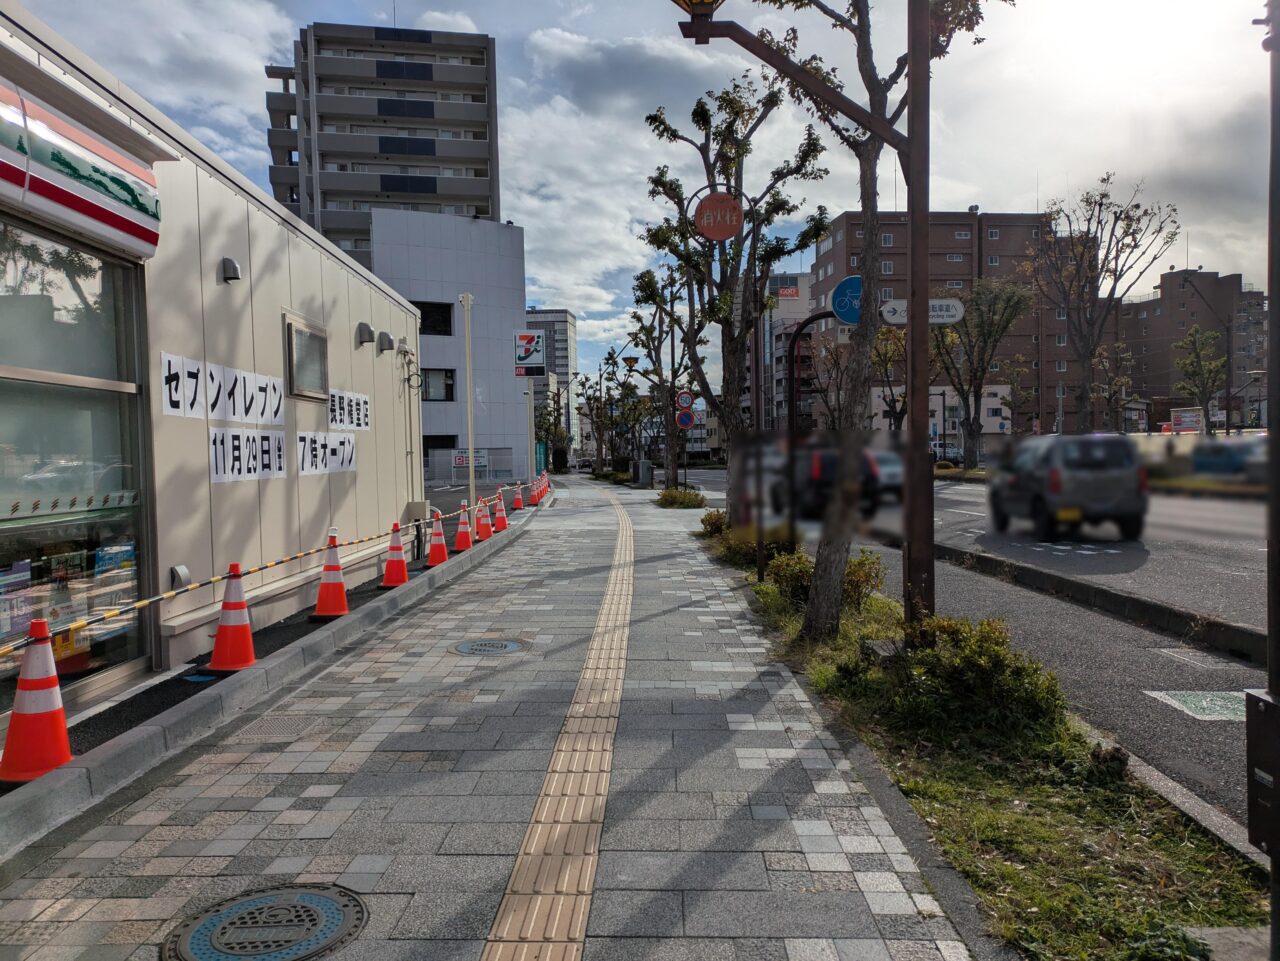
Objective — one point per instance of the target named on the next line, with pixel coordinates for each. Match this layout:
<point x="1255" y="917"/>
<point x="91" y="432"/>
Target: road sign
<point x="482" y="458"/>
<point x="684" y="399"/>
<point x="942" y="313"/>
<point x="718" y="217"/>
<point x="846" y="300"/>
<point x="684" y="419"/>
<point x="531" y="354"/>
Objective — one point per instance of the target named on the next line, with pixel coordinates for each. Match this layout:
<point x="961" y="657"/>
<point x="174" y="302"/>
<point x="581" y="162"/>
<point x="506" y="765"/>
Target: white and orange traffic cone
<point x="518" y="503"/>
<point x="535" y="497"/>
<point x="484" y="526"/>
<point x="499" y="514"/>
<point x="397" y="571"/>
<point x="331" y="602"/>
<point x="439" y="550"/>
<point x="462" y="540"/>
<point x="233" y="644"/>
<point x="37" y="741"/>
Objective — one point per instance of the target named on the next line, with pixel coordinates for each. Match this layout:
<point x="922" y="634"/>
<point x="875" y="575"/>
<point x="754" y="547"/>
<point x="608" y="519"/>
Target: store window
<point x="70" y="475"/>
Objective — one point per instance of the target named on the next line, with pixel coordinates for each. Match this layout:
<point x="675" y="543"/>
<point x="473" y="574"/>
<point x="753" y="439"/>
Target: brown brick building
<point x="965" y="246"/>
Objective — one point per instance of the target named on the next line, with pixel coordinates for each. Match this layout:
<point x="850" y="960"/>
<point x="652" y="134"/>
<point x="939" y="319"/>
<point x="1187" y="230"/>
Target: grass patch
<point x="680" y="498"/>
<point x="1071" y="859"/>
<point x="1206" y="485"/>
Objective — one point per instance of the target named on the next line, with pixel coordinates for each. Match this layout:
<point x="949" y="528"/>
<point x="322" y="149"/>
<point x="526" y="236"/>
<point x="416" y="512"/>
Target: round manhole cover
<point x="290" y="922"/>
<point x="489" y="648"/>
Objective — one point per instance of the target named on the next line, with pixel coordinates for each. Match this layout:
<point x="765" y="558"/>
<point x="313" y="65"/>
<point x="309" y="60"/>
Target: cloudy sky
<point x="1167" y="92"/>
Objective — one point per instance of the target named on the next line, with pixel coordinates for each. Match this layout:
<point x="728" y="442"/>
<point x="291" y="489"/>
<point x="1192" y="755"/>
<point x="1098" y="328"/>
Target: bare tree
<point x="1113" y="380"/>
<point x="889" y="361"/>
<point x="727" y="281"/>
<point x="660" y="340"/>
<point x="967" y="350"/>
<point x="852" y="19"/>
<point x="1090" y="253"/>
<point x="1203" y="372"/>
<point x="1022" y="401"/>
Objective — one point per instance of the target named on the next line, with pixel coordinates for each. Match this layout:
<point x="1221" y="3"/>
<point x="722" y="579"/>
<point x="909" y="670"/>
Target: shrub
<point x="715" y="523"/>
<point x="675" y="497"/>
<point x="738" y="545"/>
<point x="792" y="574"/>
<point x="965" y="682"/>
<point x="863" y="576"/>
<point x="944" y="465"/>
<point x="618" y="477"/>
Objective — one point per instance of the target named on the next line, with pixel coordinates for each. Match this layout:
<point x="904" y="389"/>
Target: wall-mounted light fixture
<point x="364" y="334"/>
<point x="228" y="270"/>
<point x="385" y="342"/>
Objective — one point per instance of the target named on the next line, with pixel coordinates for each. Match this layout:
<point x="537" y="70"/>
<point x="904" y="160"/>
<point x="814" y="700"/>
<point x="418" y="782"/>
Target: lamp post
<point x="468" y="301"/>
<point x="913" y="152"/>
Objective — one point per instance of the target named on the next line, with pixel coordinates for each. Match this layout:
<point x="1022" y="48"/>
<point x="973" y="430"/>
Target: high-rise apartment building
<point x="383" y="117"/>
<point x="561" y="330"/>
<point x="789" y="305"/>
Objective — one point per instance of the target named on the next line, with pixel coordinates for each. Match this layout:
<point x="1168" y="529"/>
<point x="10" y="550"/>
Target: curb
<point x="1239" y="640"/>
<point x="35" y="809"/>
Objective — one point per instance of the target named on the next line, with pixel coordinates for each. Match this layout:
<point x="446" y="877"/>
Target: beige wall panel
<point x="305" y="279"/>
<point x="338" y="323"/>
<point x="175" y="325"/>
<point x="368" y="370"/>
<point x="229" y="341"/>
<point x="268" y="273"/>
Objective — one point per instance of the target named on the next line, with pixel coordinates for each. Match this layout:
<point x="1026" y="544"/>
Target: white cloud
<point x="453" y="20"/>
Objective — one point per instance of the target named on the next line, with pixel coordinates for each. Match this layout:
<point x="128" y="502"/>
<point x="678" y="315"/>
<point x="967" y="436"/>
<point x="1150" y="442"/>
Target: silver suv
<point x="1062" y="482"/>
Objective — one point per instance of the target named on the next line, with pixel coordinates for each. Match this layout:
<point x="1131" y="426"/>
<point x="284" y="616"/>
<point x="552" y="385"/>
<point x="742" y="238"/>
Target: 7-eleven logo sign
<point x="531" y="360"/>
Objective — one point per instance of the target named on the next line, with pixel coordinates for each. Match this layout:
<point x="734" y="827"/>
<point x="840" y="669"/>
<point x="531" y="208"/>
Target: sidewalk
<point x="639" y="782"/>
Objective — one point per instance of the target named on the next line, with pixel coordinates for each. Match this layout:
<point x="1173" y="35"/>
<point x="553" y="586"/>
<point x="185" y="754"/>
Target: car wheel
<point x="999" y="519"/>
<point x="1046" y="527"/>
<point x="1130" y="527"/>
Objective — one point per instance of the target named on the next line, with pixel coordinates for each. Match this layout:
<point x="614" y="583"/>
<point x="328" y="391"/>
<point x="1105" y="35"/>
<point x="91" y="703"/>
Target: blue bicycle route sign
<point x="846" y="300"/>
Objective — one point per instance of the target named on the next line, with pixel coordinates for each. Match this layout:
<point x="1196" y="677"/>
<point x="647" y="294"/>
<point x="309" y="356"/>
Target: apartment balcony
<point x="332" y="67"/>
<point x="463" y="188"/>
<point x="280" y="102"/>
<point x="398" y="147"/>
<point x="346" y="220"/>
<point x="284" y="137"/>
<point x="285" y="175"/>
<point x="341" y="105"/>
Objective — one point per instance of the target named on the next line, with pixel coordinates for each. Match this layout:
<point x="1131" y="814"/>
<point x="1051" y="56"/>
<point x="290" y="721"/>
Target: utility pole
<point x="468" y="301"/>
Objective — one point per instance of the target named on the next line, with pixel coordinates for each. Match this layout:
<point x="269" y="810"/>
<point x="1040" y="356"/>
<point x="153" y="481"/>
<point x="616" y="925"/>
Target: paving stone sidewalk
<point x="734" y="830"/>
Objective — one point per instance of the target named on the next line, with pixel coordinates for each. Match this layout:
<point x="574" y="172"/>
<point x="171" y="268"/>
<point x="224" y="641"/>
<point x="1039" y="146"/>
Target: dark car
<point x="1063" y="481"/>
<point x="817" y="469"/>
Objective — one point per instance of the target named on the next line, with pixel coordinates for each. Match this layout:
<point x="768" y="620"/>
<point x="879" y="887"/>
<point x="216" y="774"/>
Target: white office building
<point x="561" y="329"/>
<point x="432" y="259"/>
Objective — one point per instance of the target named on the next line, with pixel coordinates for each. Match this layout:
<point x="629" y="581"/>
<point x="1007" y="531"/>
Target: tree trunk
<point x="972" y="427"/>
<point x="1084" y="417"/>
<point x="669" y="457"/>
<point x="822" y="613"/>
<point x="733" y="426"/>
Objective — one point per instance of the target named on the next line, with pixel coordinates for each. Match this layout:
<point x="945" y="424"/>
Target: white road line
<point x="956" y="510"/>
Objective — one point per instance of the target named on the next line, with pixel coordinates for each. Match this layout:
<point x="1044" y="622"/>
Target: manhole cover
<point x="490" y="648"/>
<point x="273" y="727"/>
<point x="290" y="922"/>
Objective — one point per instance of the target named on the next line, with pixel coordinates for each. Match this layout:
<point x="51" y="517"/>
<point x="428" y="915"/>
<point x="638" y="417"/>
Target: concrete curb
<point x="35" y="809"/>
<point x="1236" y="639"/>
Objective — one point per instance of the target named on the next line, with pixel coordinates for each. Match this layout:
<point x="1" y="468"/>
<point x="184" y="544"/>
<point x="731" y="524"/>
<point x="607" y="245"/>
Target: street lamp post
<point x="913" y="152"/>
<point x="468" y="301"/>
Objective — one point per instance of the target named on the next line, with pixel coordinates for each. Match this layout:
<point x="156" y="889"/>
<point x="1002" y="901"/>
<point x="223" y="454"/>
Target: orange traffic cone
<point x="439" y="552"/>
<point x="462" y="540"/>
<point x="484" y="527"/>
<point x="518" y="503"/>
<point x="397" y="571"/>
<point x="36" y="742"/>
<point x="534" y="496"/>
<point x="499" y="515"/>
<point x="233" y="644"/>
<point x="331" y="603"/>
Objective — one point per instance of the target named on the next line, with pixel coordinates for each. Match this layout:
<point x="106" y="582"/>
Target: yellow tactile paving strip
<point x="543" y="915"/>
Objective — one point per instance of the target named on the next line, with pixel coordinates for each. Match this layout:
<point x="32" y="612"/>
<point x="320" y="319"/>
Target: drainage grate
<point x="291" y="922"/>
<point x="490" y="648"/>
<point x="272" y="727"/>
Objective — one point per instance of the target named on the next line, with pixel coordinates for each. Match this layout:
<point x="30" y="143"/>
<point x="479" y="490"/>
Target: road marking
<point x="548" y="898"/>
<point x="1211" y="662"/>
<point x="1204" y="705"/>
<point x="956" y="510"/>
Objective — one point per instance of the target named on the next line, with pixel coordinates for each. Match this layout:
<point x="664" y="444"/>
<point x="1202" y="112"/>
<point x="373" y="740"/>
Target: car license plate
<point x="1070" y="515"/>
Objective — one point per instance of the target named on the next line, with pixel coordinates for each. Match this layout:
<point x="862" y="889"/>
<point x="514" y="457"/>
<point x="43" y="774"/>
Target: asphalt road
<point x="1200" y="554"/>
<point x="1178" y="707"/>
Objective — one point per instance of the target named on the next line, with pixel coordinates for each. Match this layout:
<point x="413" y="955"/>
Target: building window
<point x="1060" y="314"/>
<point x="993" y="233"/>
<point x="955" y="258"/>
<point x="437" y="384"/>
<point x="1062" y="390"/>
<point x="858" y="234"/>
<point x="1060" y="340"/>
<point x="1060" y="367"/>
<point x="439" y="441"/>
<point x="1035" y="338"/>
<point x="994" y="412"/>
<point x="1182" y="325"/>
<point x="995" y="365"/>
<point x="1035" y="233"/>
<point x="1035" y="365"/>
<point x="1144" y="348"/>
<point x="886" y="293"/>
<point x="886" y="266"/>
<point x="964" y="234"/>
<point x="993" y="260"/>
<point x="308" y="359"/>
<point x="434" y="319"/>
<point x="853" y="261"/>
<point x="955" y="284"/>
<point x="886" y="240"/>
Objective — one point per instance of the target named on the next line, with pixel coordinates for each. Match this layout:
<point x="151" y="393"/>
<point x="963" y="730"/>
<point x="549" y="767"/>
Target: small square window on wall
<point x="437" y="384"/>
<point x="853" y="260"/>
<point x="993" y="260"/>
<point x="993" y="233"/>
<point x="886" y="266"/>
<point x="1061" y="367"/>
<point x="964" y="235"/>
<point x="886" y="240"/>
<point x="955" y="284"/>
<point x="434" y="319"/>
<point x="308" y="350"/>
<point x="886" y="293"/>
